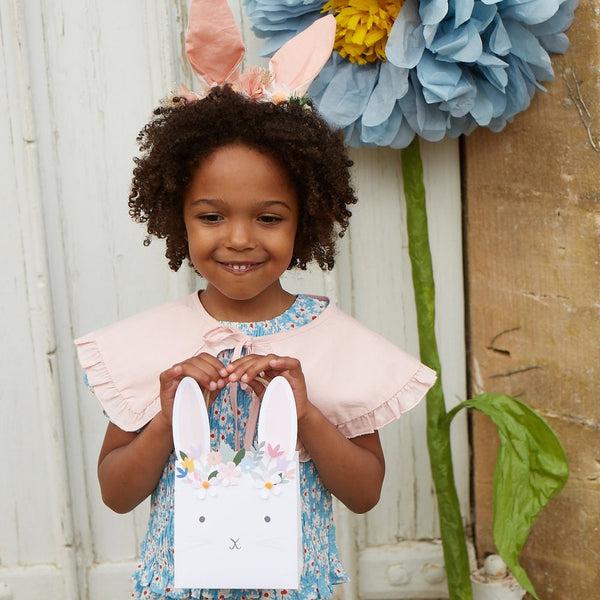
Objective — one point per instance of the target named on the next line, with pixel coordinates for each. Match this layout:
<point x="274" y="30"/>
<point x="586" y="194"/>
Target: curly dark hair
<point x="182" y="134"/>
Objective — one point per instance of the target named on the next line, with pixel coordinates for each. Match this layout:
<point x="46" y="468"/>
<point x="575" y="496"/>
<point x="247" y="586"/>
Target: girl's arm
<point x="351" y="469"/>
<point x="130" y="464"/>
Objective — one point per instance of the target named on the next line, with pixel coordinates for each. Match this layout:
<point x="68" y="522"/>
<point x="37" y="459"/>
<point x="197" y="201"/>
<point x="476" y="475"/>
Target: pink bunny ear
<point x="213" y="44"/>
<point x="191" y="429"/>
<point x="277" y="423"/>
<point x="300" y="59"/>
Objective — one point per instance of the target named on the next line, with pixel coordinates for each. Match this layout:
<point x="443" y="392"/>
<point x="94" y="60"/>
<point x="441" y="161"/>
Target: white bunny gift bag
<point x="237" y="513"/>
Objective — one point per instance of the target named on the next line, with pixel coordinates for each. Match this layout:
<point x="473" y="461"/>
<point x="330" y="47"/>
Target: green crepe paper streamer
<point x="454" y="546"/>
<point x="531" y="469"/>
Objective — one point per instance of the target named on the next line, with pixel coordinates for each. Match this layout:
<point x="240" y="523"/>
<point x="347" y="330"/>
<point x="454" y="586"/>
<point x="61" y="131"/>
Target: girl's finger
<point x="247" y="370"/>
<point x="240" y="363"/>
<point x="206" y="373"/>
<point x="287" y="364"/>
<point x="169" y="379"/>
<point x="211" y="360"/>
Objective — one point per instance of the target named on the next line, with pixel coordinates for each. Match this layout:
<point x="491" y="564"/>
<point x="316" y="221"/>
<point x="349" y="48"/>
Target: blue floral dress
<point x="153" y="579"/>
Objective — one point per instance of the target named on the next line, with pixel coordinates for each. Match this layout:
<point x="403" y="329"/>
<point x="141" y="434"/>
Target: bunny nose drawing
<point x="234" y="545"/>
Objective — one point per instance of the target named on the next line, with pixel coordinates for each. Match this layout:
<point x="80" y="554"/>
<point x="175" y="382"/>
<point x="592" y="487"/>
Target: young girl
<point x="245" y="189"/>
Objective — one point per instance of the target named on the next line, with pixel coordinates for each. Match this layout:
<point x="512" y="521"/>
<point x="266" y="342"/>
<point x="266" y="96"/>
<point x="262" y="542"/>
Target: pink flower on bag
<point x="229" y="474"/>
<point x="274" y="452"/>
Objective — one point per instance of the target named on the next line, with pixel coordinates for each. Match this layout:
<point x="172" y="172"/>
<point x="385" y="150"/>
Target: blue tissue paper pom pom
<point x="451" y="65"/>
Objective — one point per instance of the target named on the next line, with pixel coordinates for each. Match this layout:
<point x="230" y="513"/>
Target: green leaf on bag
<point x="237" y="459"/>
<point x="531" y="469"/>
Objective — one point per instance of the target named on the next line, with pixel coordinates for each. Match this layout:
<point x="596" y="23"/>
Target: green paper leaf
<point x="531" y="469"/>
<point x="237" y="459"/>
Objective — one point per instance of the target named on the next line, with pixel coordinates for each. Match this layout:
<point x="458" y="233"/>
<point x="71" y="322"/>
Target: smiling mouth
<point x="240" y="267"/>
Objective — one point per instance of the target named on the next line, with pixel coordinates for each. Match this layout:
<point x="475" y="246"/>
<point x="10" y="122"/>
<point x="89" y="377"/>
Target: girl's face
<point x="241" y="215"/>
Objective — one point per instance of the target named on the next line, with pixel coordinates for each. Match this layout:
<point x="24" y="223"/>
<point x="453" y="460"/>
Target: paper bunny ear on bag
<point x="278" y="423"/>
<point x="191" y="428"/>
<point x="215" y="50"/>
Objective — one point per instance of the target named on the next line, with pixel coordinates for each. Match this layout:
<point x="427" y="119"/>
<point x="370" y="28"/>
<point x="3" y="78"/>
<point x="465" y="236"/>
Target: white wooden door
<point x="79" y="80"/>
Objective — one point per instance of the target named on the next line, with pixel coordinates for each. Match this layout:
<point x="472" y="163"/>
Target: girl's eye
<point x="210" y="218"/>
<point x="270" y="219"/>
<point x="267" y="519"/>
<point x="202" y="519"/>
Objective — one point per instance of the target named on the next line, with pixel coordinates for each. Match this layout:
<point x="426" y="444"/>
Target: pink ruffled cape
<point x="356" y="377"/>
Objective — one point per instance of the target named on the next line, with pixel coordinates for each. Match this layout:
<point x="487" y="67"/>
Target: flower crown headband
<point x="215" y="50"/>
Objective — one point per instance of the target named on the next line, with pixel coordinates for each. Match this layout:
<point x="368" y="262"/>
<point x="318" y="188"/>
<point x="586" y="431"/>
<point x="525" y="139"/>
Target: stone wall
<point x="532" y="198"/>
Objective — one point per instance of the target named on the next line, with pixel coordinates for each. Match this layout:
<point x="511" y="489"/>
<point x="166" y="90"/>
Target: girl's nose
<point x="239" y="236"/>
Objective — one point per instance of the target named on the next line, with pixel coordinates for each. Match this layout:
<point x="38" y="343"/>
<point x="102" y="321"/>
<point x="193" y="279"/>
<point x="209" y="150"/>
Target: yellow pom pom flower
<point x="363" y="27"/>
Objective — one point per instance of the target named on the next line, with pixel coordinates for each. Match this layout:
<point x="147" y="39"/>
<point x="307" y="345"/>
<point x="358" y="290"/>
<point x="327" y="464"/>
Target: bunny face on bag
<point x="237" y="513"/>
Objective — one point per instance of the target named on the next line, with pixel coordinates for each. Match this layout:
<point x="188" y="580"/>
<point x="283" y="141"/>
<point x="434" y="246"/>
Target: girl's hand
<point x="247" y="368"/>
<point x="208" y="371"/>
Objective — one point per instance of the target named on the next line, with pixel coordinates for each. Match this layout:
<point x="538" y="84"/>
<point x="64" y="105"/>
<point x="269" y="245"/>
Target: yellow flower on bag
<point x="188" y="463"/>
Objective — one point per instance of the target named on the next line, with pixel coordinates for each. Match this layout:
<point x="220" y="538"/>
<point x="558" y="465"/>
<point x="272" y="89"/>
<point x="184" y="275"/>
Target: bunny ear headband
<point x="215" y="50"/>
